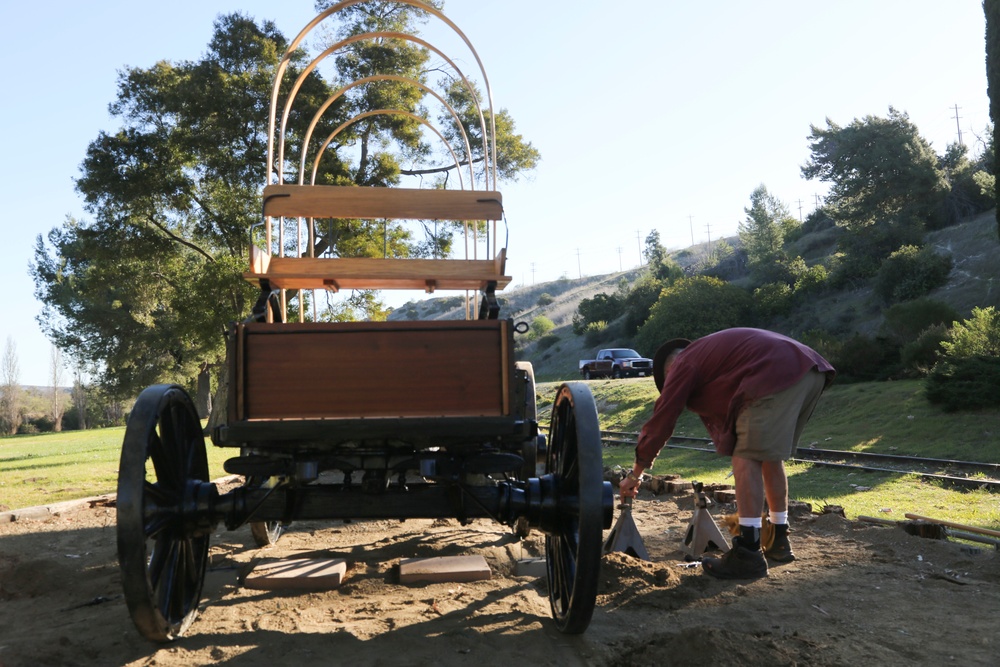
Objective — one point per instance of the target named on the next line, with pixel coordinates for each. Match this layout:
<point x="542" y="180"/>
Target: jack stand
<point x="703" y="533"/>
<point x="625" y="536"/>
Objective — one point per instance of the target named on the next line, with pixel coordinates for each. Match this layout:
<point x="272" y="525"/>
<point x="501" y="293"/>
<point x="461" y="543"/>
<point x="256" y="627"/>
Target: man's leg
<point x="748" y="476"/>
<point x="745" y="560"/>
<point x="775" y="486"/>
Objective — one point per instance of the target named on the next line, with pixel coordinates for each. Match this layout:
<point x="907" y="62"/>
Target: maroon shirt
<point x="716" y="375"/>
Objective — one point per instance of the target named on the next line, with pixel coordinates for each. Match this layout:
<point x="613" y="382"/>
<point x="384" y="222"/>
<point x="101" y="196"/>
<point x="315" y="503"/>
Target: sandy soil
<point x="858" y="594"/>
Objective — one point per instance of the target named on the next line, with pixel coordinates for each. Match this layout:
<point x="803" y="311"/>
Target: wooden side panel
<point x="331" y="201"/>
<point x="384" y="369"/>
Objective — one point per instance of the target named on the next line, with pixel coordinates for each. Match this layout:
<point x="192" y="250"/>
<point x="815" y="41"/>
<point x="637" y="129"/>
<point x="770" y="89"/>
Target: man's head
<point x="665" y="354"/>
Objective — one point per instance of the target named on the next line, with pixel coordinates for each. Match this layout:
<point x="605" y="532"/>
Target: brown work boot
<point x="780" y="550"/>
<point x="739" y="562"/>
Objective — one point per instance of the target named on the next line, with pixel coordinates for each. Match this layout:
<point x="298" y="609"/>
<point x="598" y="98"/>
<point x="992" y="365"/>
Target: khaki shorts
<point x="768" y="429"/>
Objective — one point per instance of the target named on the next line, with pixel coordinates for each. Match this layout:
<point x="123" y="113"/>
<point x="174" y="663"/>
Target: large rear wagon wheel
<point x="573" y="547"/>
<point x="163" y="536"/>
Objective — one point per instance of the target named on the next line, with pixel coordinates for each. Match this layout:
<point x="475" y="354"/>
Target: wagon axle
<point x="539" y="501"/>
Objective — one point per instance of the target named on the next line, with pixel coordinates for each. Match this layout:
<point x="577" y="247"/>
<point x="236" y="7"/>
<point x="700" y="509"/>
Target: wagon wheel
<point x="264" y="533"/>
<point x="522" y="527"/>
<point x="573" y="546"/>
<point x="162" y="544"/>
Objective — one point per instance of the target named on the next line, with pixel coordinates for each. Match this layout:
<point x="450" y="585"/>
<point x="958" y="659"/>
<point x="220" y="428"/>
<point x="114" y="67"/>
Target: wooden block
<point x="725" y="496"/>
<point x="297" y="573"/>
<point x="678" y="485"/>
<point x="532" y="567"/>
<point x="443" y="568"/>
<point x="654" y="485"/>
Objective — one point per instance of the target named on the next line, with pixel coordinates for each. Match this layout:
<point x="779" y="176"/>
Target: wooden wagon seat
<point x="325" y="201"/>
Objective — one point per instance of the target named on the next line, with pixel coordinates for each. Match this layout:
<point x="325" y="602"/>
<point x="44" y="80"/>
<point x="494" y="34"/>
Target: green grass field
<point x="879" y="417"/>
<point x="48" y="468"/>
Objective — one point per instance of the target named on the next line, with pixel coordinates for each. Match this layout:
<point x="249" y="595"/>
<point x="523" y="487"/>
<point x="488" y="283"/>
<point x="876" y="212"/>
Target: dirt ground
<point x="858" y="594"/>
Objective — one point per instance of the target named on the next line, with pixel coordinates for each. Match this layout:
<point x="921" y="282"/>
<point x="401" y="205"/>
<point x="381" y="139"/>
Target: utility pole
<point x="638" y="239"/>
<point x="532" y="273"/>
<point x="800" y="210"/>
<point x="579" y="268"/>
<point x="708" y="230"/>
<point x="620" y="259"/>
<point x="691" y="224"/>
<point x="958" y="126"/>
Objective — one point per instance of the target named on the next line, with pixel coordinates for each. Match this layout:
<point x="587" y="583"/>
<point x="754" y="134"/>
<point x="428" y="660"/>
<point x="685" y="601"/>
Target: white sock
<point x="778" y="518"/>
<point x="755" y="522"/>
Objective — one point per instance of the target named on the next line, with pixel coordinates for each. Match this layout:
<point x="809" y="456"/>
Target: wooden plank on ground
<point x="297" y="573"/>
<point x="443" y="569"/>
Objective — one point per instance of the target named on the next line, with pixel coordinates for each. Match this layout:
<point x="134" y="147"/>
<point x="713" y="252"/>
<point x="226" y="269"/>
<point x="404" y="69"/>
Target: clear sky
<point x="651" y="114"/>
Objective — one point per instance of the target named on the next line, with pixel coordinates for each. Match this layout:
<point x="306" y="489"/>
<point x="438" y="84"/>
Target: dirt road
<point x="858" y="594"/>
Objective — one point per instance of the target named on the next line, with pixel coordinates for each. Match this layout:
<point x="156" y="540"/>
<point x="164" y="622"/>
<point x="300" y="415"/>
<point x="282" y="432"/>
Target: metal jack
<point x="703" y="533"/>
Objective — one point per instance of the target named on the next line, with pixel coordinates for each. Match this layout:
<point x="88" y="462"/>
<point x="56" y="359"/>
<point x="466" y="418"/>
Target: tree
<point x="142" y="292"/>
<point x="11" y="399"/>
<point x="659" y="262"/>
<point x="885" y="185"/>
<point x="80" y="401"/>
<point x="966" y="195"/>
<point x="58" y="402"/>
<point x="763" y="235"/>
<point x="992" y="11"/>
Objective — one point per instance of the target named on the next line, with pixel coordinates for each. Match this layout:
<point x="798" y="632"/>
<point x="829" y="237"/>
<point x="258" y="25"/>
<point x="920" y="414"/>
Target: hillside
<point x="973" y="246"/>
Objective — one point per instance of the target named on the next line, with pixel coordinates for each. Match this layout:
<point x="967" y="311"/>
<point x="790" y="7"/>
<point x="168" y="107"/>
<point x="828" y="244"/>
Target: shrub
<point x="977" y="336"/>
<point x="547" y="341"/>
<point x="772" y="300"/>
<point x="540" y="326"/>
<point x="904" y="322"/>
<point x="545" y="299"/>
<point x="639" y="301"/>
<point x="969" y="383"/>
<point x="811" y="281"/>
<point x="921" y="354"/>
<point x="595" y="332"/>
<point x="911" y="272"/>
<point x="600" y="307"/>
<point x="864" y="359"/>
<point x="695" y="307"/>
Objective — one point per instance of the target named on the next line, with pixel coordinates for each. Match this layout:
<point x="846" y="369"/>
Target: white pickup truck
<point x="616" y="362"/>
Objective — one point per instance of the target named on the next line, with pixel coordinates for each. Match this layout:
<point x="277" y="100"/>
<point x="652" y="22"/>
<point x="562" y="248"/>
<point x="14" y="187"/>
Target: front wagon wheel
<point x="573" y="548"/>
<point x="163" y="489"/>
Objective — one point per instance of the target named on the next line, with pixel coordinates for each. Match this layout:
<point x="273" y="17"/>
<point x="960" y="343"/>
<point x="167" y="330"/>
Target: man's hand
<point x="629" y="486"/>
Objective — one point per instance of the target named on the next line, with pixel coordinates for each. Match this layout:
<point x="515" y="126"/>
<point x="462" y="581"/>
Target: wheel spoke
<point x="164" y="465"/>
